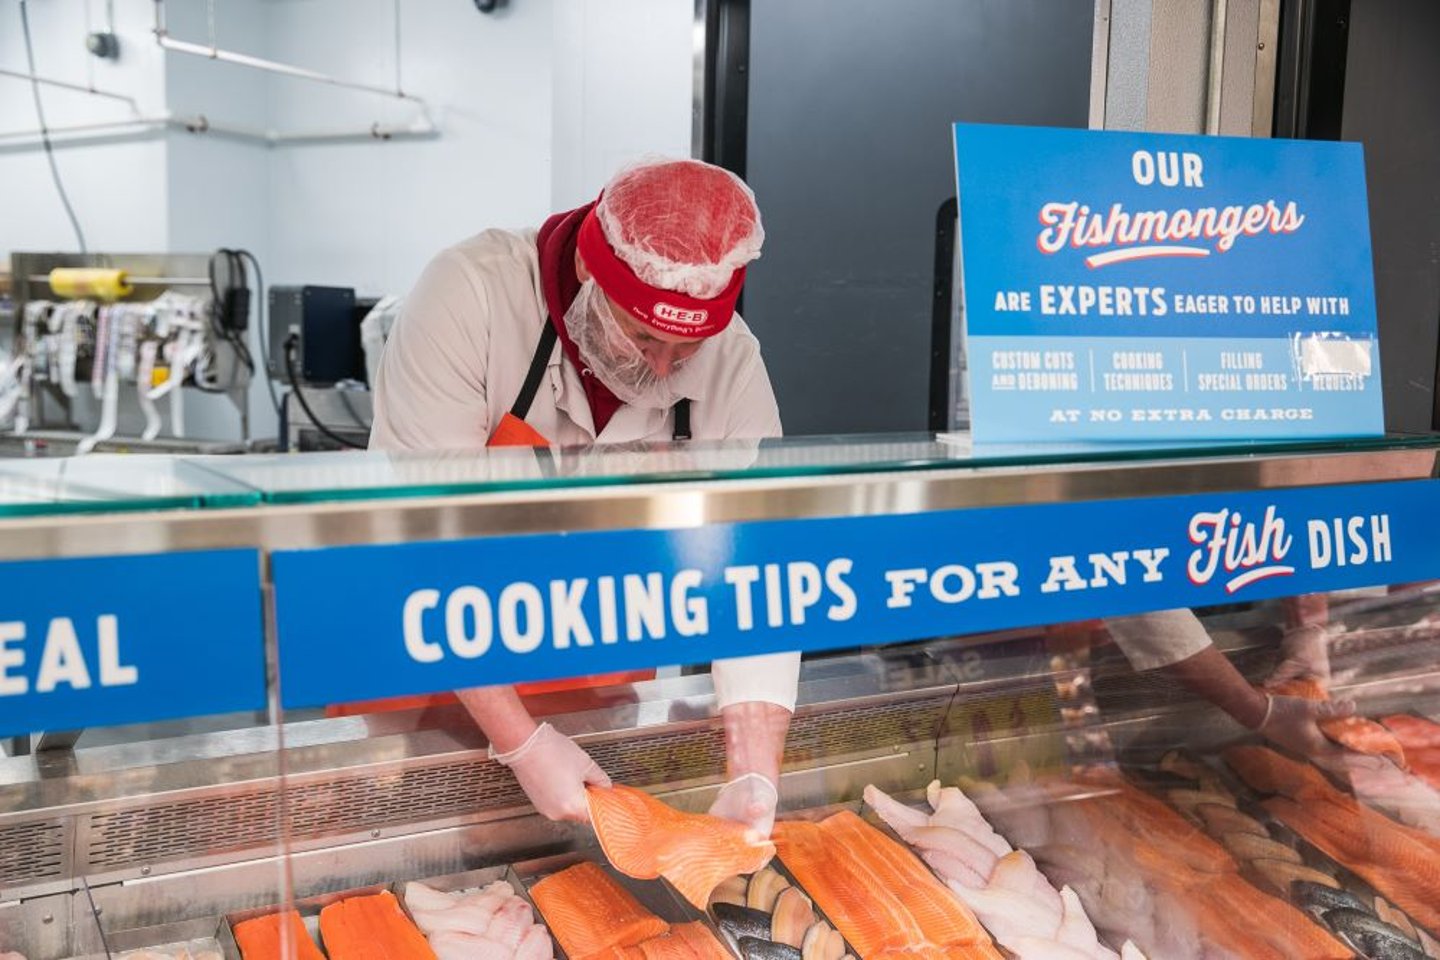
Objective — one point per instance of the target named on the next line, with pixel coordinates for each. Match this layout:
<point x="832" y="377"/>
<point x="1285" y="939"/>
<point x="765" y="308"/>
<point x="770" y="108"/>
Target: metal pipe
<point x="202" y="125"/>
<point x="1215" y="81"/>
<point x="67" y="85"/>
<point x="167" y="42"/>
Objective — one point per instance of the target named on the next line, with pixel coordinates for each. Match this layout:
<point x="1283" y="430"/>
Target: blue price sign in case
<point x="1125" y="286"/>
<point x="113" y="640"/>
<point x="427" y="617"/>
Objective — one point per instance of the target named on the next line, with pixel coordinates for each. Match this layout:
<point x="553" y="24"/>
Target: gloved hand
<point x="554" y="772"/>
<point x="754" y="748"/>
<point x="750" y="799"/>
<point x="1294" y="724"/>
<point x="1305" y="654"/>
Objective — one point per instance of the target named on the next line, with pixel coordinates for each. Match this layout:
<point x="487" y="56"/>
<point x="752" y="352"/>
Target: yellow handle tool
<point x="89" y="283"/>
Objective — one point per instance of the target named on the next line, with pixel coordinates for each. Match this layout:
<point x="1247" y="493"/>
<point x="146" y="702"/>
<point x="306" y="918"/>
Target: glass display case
<point x="1011" y="741"/>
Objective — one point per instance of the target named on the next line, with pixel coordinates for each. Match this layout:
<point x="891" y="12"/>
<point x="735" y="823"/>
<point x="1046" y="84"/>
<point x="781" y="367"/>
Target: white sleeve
<point x="1158" y="639"/>
<point x="754" y="415"/>
<point x="767" y="678"/>
<point x="430" y="390"/>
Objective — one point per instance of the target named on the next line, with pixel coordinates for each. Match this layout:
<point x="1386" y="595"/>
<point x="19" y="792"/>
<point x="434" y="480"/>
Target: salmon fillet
<point x="1354" y="733"/>
<point x="371" y="928"/>
<point x="1413" y="732"/>
<point x="1400" y="862"/>
<point x="685" y="941"/>
<point x="644" y="838"/>
<point x="590" y="914"/>
<point x="878" y="894"/>
<point x="1196" y="870"/>
<point x="1393" y="859"/>
<point x="260" y="939"/>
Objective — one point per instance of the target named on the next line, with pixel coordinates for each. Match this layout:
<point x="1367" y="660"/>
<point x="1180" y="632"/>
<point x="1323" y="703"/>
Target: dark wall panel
<point x="849" y="152"/>
<point x="1392" y="106"/>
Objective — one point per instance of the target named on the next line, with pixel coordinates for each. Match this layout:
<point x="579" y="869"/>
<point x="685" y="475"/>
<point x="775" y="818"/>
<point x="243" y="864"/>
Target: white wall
<point x="368" y="214"/>
<point x="623" y="73"/>
<point x="117" y="186"/>
<point x="536" y="106"/>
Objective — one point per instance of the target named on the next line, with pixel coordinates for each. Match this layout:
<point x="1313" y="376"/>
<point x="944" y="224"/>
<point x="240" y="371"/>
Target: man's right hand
<point x="554" y="773"/>
<point x="1294" y="724"/>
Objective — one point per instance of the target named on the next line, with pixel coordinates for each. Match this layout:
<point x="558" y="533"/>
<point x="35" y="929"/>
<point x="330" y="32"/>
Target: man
<point x="613" y="323"/>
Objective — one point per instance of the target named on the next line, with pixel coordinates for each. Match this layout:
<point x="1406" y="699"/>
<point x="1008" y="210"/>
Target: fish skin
<point x="1316" y="899"/>
<point x="757" y="948"/>
<point x="742" y="921"/>
<point x="645" y="838"/>
<point x="730" y="891"/>
<point x="1396" y="918"/>
<point x="1373" y="936"/>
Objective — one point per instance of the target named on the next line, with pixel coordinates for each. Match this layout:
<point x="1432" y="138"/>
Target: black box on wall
<point x="318" y="324"/>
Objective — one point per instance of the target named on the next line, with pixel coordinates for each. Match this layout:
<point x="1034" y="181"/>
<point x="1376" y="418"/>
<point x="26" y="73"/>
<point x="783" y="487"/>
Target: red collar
<point x="556" y="245"/>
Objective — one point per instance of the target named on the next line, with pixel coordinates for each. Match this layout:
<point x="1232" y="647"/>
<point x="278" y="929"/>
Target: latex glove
<point x="1294" y="724"/>
<point x="750" y="799"/>
<point x="554" y="773"/>
<point x="1305" y="654"/>
<point x="754" y="749"/>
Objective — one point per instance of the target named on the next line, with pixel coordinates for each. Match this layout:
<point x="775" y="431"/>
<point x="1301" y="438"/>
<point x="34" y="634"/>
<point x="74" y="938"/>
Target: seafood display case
<point x="956" y="784"/>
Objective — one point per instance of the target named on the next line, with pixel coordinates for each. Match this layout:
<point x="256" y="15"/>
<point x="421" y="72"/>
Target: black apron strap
<point x="682" y="419"/>
<point x="538" y="363"/>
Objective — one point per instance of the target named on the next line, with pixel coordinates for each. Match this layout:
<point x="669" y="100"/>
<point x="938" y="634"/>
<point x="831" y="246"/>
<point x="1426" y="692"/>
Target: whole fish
<point x="737" y="922"/>
<point x="756" y="948"/>
<point x="1372" y="936"/>
<point x="1317" y="900"/>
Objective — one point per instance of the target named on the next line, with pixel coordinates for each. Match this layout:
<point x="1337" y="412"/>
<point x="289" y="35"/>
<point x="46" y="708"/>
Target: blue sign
<point x="112" y="640"/>
<point x="357" y="623"/>
<point x="1123" y="286"/>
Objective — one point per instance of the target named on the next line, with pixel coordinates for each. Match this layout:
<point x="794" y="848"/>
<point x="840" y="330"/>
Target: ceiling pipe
<point x="200" y="124"/>
<point x="76" y="87"/>
<point x="213" y="52"/>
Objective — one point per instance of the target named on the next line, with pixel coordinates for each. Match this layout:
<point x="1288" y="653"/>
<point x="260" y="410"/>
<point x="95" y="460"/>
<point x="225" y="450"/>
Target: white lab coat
<point x="458" y="355"/>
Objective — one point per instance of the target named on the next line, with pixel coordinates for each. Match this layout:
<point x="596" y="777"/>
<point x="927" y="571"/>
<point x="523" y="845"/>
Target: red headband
<point x="665" y="310"/>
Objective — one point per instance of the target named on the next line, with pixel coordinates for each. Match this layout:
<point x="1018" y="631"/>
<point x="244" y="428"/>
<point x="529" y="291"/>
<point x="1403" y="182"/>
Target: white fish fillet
<point x="535" y="945"/>
<point x="1002" y="885"/>
<point x="1009" y="914"/>
<point x="493" y="923"/>
<point x="1038" y="948"/>
<point x="954" y="809"/>
<point x="464" y="946"/>
<point x="1076" y="930"/>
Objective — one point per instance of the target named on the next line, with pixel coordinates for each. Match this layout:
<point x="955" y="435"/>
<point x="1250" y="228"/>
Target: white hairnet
<point x="681" y="225"/>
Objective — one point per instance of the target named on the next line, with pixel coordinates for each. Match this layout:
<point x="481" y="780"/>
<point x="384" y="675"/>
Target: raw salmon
<point x="685" y="941"/>
<point x="371" y="928"/>
<point x="877" y="893"/>
<point x="261" y="938"/>
<point x="644" y="838"/>
<point x="1400" y="862"/>
<point x="1354" y="733"/>
<point x="589" y="913"/>
<point x="1413" y="732"/>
